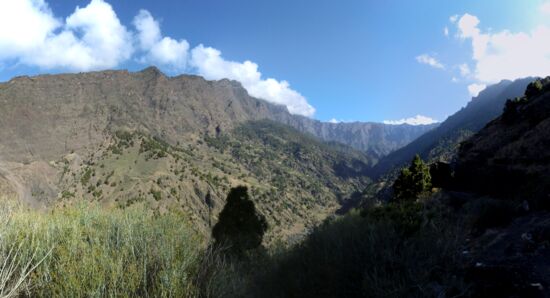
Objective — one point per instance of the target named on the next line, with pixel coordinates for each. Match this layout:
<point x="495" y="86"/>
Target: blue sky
<point x="343" y="60"/>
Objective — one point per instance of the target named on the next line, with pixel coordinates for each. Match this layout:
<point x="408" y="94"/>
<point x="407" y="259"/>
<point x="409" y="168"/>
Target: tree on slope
<point x="240" y="226"/>
<point x="412" y="181"/>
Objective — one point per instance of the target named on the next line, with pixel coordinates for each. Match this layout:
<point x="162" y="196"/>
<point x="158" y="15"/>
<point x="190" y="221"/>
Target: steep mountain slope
<point x="180" y="143"/>
<point x="442" y="142"/>
<point x="509" y="157"/>
<point x="47" y="115"/>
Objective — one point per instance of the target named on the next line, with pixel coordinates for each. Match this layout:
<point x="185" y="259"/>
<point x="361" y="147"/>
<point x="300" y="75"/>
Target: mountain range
<point x="180" y="142"/>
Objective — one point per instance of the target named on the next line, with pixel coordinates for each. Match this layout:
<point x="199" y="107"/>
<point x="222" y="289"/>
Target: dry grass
<point x="91" y="251"/>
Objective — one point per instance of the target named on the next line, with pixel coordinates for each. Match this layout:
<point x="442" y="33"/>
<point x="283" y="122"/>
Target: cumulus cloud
<point x="90" y="38"/>
<point x="161" y="51"/>
<point x="474" y="89"/>
<point x="446" y="31"/>
<point x="429" y="60"/>
<point x="209" y="63"/>
<point x="93" y="38"/>
<point x="506" y="55"/>
<point x="416" y="120"/>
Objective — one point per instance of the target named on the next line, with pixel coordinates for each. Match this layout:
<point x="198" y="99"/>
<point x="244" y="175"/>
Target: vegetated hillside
<point x="143" y="138"/>
<point x="484" y="231"/>
<point x="442" y="142"/>
<point x="295" y="180"/>
<point x="509" y="157"/>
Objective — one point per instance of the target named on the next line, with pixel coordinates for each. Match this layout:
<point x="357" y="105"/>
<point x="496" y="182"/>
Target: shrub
<point x="534" y="89"/>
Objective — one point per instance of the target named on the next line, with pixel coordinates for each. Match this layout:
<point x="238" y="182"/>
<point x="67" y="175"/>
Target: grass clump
<point x="92" y="251"/>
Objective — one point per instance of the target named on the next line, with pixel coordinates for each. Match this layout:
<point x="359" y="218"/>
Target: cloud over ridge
<point x="93" y="38"/>
<point x="416" y="120"/>
<point x="506" y="55"/>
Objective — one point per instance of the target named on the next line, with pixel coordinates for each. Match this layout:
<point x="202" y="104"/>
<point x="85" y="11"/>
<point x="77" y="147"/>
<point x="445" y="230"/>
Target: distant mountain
<point x="442" y="142"/>
<point x="376" y="139"/>
<point x="179" y="143"/>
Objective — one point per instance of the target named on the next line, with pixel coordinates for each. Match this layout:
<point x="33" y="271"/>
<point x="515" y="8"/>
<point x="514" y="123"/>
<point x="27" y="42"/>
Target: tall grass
<point x="92" y="251"/>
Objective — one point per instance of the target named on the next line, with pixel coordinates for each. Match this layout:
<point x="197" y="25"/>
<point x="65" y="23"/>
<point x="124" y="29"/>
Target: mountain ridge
<point x="375" y="138"/>
<point x="441" y="143"/>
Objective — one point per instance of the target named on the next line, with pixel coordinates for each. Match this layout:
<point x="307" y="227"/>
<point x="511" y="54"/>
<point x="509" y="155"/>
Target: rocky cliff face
<point x="48" y="115"/>
<point x="376" y="139"/>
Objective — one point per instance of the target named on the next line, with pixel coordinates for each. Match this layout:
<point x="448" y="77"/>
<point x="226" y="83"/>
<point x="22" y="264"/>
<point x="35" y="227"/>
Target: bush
<point x="534" y="89"/>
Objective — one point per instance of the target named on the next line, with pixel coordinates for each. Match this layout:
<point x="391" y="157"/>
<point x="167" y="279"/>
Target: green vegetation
<point x="90" y="251"/>
<point x="239" y="226"/>
<point x="86" y="176"/>
<point x="412" y="181"/>
<point x="362" y="255"/>
<point x="535" y="88"/>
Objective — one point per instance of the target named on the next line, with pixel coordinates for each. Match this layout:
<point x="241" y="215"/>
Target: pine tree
<point x="412" y="181"/>
<point x="240" y="226"/>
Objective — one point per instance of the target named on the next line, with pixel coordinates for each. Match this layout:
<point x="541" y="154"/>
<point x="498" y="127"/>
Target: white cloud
<point x="464" y="70"/>
<point x="474" y="89"/>
<point x="334" y="121"/>
<point x="210" y="64"/>
<point x="161" y="51"/>
<point x="91" y="38"/>
<point x="545" y="7"/>
<point x="453" y="18"/>
<point x="446" y="31"/>
<point x="416" y="120"/>
<point x="506" y="55"/>
<point x="429" y="60"/>
<point x="24" y="26"/>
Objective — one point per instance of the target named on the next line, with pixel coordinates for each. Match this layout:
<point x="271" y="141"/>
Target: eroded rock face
<point x="47" y="116"/>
